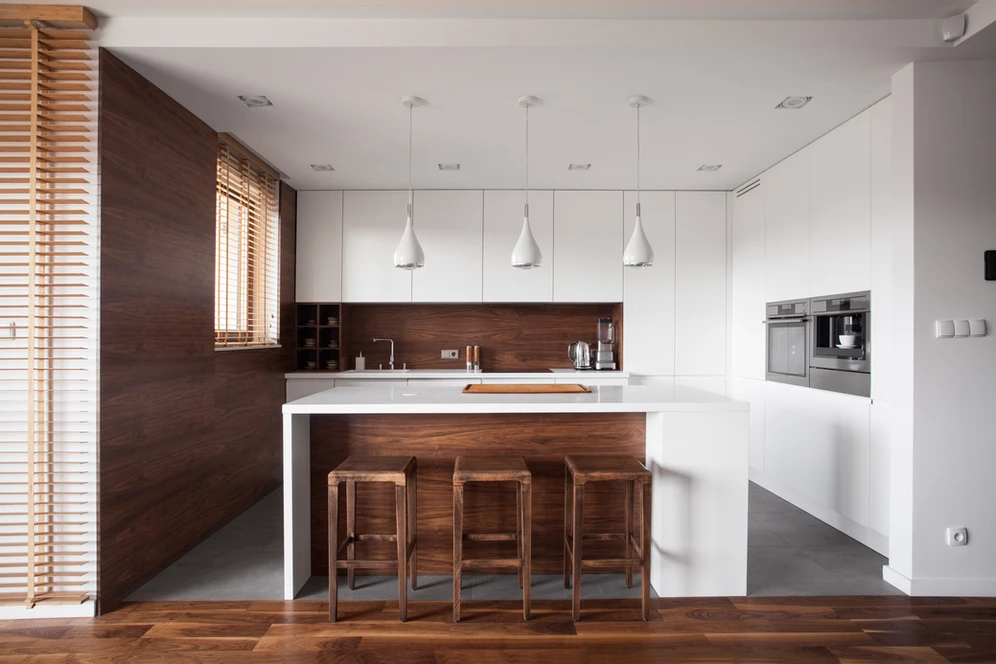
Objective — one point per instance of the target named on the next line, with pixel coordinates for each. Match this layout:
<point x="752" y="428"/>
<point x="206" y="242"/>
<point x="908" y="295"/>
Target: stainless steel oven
<point x="840" y="356"/>
<point x="787" y="358"/>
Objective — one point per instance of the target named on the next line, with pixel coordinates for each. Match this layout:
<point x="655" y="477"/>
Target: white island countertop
<point x="376" y="374"/>
<point x="427" y="399"/>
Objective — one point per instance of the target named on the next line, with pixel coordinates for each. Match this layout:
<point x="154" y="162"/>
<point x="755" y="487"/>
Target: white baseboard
<point x="84" y="610"/>
<point x="898" y="580"/>
<point x="864" y="534"/>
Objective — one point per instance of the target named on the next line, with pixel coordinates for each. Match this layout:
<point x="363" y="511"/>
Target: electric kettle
<point x="579" y="353"/>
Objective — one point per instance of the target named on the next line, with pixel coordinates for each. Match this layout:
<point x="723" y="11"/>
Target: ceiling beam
<point x="53" y="16"/>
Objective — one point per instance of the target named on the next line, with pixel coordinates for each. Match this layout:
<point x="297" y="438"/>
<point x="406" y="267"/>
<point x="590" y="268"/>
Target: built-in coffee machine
<point x="840" y="354"/>
<point x="605" y="352"/>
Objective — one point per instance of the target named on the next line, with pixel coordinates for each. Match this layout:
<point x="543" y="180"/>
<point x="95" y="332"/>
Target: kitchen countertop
<point x="454" y="373"/>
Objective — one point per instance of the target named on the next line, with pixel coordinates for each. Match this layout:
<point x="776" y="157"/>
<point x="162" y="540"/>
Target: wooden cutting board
<point x="527" y="388"/>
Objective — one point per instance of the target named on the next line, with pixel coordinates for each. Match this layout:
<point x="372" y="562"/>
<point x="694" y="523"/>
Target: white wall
<point x="952" y="212"/>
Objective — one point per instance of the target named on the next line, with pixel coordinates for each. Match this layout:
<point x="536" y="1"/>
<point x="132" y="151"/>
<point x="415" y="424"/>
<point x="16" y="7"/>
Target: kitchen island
<point x="695" y="443"/>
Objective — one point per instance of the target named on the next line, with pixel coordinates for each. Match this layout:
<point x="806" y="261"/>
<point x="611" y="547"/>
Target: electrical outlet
<point x="957" y="536"/>
<point x="450" y="354"/>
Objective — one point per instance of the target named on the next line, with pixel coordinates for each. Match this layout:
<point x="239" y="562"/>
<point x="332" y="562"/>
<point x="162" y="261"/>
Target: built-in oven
<point x="840" y="358"/>
<point x="787" y="357"/>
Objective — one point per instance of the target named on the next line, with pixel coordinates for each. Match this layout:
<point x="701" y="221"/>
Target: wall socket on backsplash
<point x="450" y="354"/>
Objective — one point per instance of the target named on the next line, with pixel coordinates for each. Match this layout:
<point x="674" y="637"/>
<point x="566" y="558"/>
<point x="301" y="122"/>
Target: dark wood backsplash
<point x="512" y="337"/>
<point x="189" y="437"/>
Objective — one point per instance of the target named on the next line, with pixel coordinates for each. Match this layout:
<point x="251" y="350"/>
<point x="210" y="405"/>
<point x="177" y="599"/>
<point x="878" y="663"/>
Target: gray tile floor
<point x="790" y="553"/>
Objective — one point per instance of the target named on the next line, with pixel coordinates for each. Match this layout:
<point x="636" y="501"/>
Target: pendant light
<point x="409" y="254"/>
<point x="638" y="251"/>
<point x="526" y="254"/>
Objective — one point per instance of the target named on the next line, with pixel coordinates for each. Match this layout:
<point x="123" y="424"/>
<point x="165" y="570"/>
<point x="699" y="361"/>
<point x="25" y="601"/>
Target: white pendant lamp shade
<point x="409" y="254"/>
<point x="638" y="252"/>
<point x="526" y="254"/>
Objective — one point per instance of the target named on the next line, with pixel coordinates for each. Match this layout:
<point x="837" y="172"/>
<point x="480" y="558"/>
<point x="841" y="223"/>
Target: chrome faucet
<point x="392" y="349"/>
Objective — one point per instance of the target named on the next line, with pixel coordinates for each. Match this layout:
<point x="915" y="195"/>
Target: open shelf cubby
<point x="318" y="337"/>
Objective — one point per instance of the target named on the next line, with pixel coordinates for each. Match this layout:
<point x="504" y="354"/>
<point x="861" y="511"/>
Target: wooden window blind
<point x="48" y="316"/>
<point x="247" y="265"/>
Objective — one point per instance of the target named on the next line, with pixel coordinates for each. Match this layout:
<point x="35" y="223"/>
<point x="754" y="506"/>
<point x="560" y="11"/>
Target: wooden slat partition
<point x="47" y="281"/>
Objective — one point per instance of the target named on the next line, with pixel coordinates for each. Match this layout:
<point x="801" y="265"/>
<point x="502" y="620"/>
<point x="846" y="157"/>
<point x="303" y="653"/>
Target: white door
<point x="700" y="283"/>
<point x="588" y="245"/>
<point x="786" y="196"/>
<point x="648" y="292"/>
<point x="840" y="210"/>
<point x="502" y="225"/>
<point x="372" y="223"/>
<point x="318" y="269"/>
<point x="748" y="285"/>
<point x="448" y="224"/>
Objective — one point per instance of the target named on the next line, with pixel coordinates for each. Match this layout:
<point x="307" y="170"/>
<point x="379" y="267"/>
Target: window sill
<point x="225" y="349"/>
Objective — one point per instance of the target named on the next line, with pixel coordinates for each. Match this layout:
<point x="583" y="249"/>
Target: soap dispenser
<point x="361" y="362"/>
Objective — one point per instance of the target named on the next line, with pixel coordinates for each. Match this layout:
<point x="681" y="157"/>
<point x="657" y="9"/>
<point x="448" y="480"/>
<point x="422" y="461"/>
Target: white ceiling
<point x="336" y="88"/>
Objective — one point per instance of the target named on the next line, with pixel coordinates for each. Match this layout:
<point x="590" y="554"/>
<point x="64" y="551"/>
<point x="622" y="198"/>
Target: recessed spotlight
<point x="449" y="167"/>
<point x="322" y="167"/>
<point x="255" y="101"/>
<point x="710" y="167"/>
<point x="579" y="167"/>
<point x="794" y="103"/>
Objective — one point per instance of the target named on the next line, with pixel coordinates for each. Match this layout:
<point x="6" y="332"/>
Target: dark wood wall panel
<point x="512" y="337"/>
<point x="189" y="437"/>
<point x="436" y="440"/>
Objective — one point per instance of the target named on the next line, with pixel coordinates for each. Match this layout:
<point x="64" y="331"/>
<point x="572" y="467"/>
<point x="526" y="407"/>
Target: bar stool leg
<point x="629" y="532"/>
<point x="567" y="527"/>
<point x="333" y="549"/>
<point x="351" y="531"/>
<point x="645" y="510"/>
<point x="401" y="509"/>
<point x="413" y="527"/>
<point x="457" y="548"/>
<point x="518" y="527"/>
<point x="576" y="540"/>
<point x="527" y="545"/>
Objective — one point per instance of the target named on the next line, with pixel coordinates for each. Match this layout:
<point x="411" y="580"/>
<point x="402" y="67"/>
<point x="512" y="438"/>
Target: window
<point x="246" y="306"/>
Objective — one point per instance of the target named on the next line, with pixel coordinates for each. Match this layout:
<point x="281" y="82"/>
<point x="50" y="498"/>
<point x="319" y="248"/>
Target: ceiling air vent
<point x="747" y="188"/>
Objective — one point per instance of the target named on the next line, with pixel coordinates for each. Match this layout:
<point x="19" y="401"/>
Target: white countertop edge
<point x="442" y="373"/>
<point x="457" y="409"/>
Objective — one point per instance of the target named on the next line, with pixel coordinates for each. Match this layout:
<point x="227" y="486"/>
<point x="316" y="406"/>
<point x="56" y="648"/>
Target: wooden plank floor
<point x="794" y="630"/>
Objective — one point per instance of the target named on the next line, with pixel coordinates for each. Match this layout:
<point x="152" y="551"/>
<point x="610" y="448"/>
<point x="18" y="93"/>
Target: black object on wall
<point x="991" y="265"/>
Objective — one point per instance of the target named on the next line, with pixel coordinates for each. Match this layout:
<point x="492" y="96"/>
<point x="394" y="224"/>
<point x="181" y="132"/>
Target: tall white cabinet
<point x="449" y="226"/>
<point x="372" y="223"/>
<point x="748" y="284"/>
<point x="318" y="270"/>
<point x="588" y="245"/>
<point x="502" y="225"/>
<point x="787" y="228"/>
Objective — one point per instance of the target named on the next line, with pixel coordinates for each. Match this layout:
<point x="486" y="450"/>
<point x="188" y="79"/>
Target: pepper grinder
<point x="477" y="359"/>
<point x="470" y="361"/>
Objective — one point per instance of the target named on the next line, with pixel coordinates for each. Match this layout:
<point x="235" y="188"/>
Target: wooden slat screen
<point x="48" y="316"/>
<point x="247" y="251"/>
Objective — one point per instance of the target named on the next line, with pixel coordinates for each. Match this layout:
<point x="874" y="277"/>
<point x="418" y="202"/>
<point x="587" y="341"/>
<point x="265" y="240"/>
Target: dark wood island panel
<point x="543" y="439"/>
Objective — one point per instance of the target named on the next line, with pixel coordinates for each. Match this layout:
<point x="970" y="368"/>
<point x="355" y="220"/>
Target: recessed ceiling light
<point x="794" y="103"/>
<point x="710" y="167"/>
<point x="449" y="167"/>
<point x="579" y="167"/>
<point x="255" y="101"/>
<point x="322" y="167"/>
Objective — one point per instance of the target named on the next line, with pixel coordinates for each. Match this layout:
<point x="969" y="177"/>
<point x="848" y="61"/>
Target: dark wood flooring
<point x="791" y="630"/>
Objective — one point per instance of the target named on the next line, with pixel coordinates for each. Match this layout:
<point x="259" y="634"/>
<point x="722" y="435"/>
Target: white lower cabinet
<point x="374" y="382"/>
<point x="594" y="381"/>
<point x="443" y="382"/>
<point x="298" y="388"/>
<point x="879" y="469"/>
<point x="513" y="381"/>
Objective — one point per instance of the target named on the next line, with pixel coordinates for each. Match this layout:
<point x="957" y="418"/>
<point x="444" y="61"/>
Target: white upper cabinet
<point x="786" y="196"/>
<point x="700" y="283"/>
<point x="502" y="225"/>
<point x="748" y="289"/>
<point x="318" y="270"/>
<point x="448" y="224"/>
<point x="648" y="293"/>
<point x="372" y="223"/>
<point x="840" y="202"/>
<point x="588" y="246"/>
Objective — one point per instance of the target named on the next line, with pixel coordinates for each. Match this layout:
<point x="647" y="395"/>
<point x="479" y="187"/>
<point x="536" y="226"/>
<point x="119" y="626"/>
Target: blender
<point x="605" y="354"/>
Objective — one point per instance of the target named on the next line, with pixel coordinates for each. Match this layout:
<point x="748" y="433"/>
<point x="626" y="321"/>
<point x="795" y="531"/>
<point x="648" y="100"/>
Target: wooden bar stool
<point x="510" y="468"/>
<point x="579" y="471"/>
<point x="397" y="470"/>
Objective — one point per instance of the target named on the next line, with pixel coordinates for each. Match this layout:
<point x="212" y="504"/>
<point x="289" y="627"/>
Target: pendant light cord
<point x="637" y="155"/>
<point x="527" y="161"/>
<point x="410" y="162"/>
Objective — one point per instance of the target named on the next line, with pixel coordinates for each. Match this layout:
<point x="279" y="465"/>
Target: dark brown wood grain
<point x="512" y="337"/>
<point x="189" y="437"/>
<point x="436" y="440"/>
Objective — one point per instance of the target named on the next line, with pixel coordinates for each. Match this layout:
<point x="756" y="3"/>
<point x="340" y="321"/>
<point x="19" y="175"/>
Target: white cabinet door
<point x="700" y="283"/>
<point x="588" y="246"/>
<point x="298" y="388"/>
<point x="594" y="381"/>
<point x="840" y="202"/>
<point x="318" y="273"/>
<point x="370" y="382"/>
<point x="786" y="197"/>
<point x="748" y="285"/>
<point x="448" y="224"/>
<point x="882" y="239"/>
<point x="879" y="469"/>
<point x="372" y="223"/>
<point x="514" y="381"/>
<point x="443" y="382"/>
<point x="502" y="225"/>
<point x="648" y="293"/>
